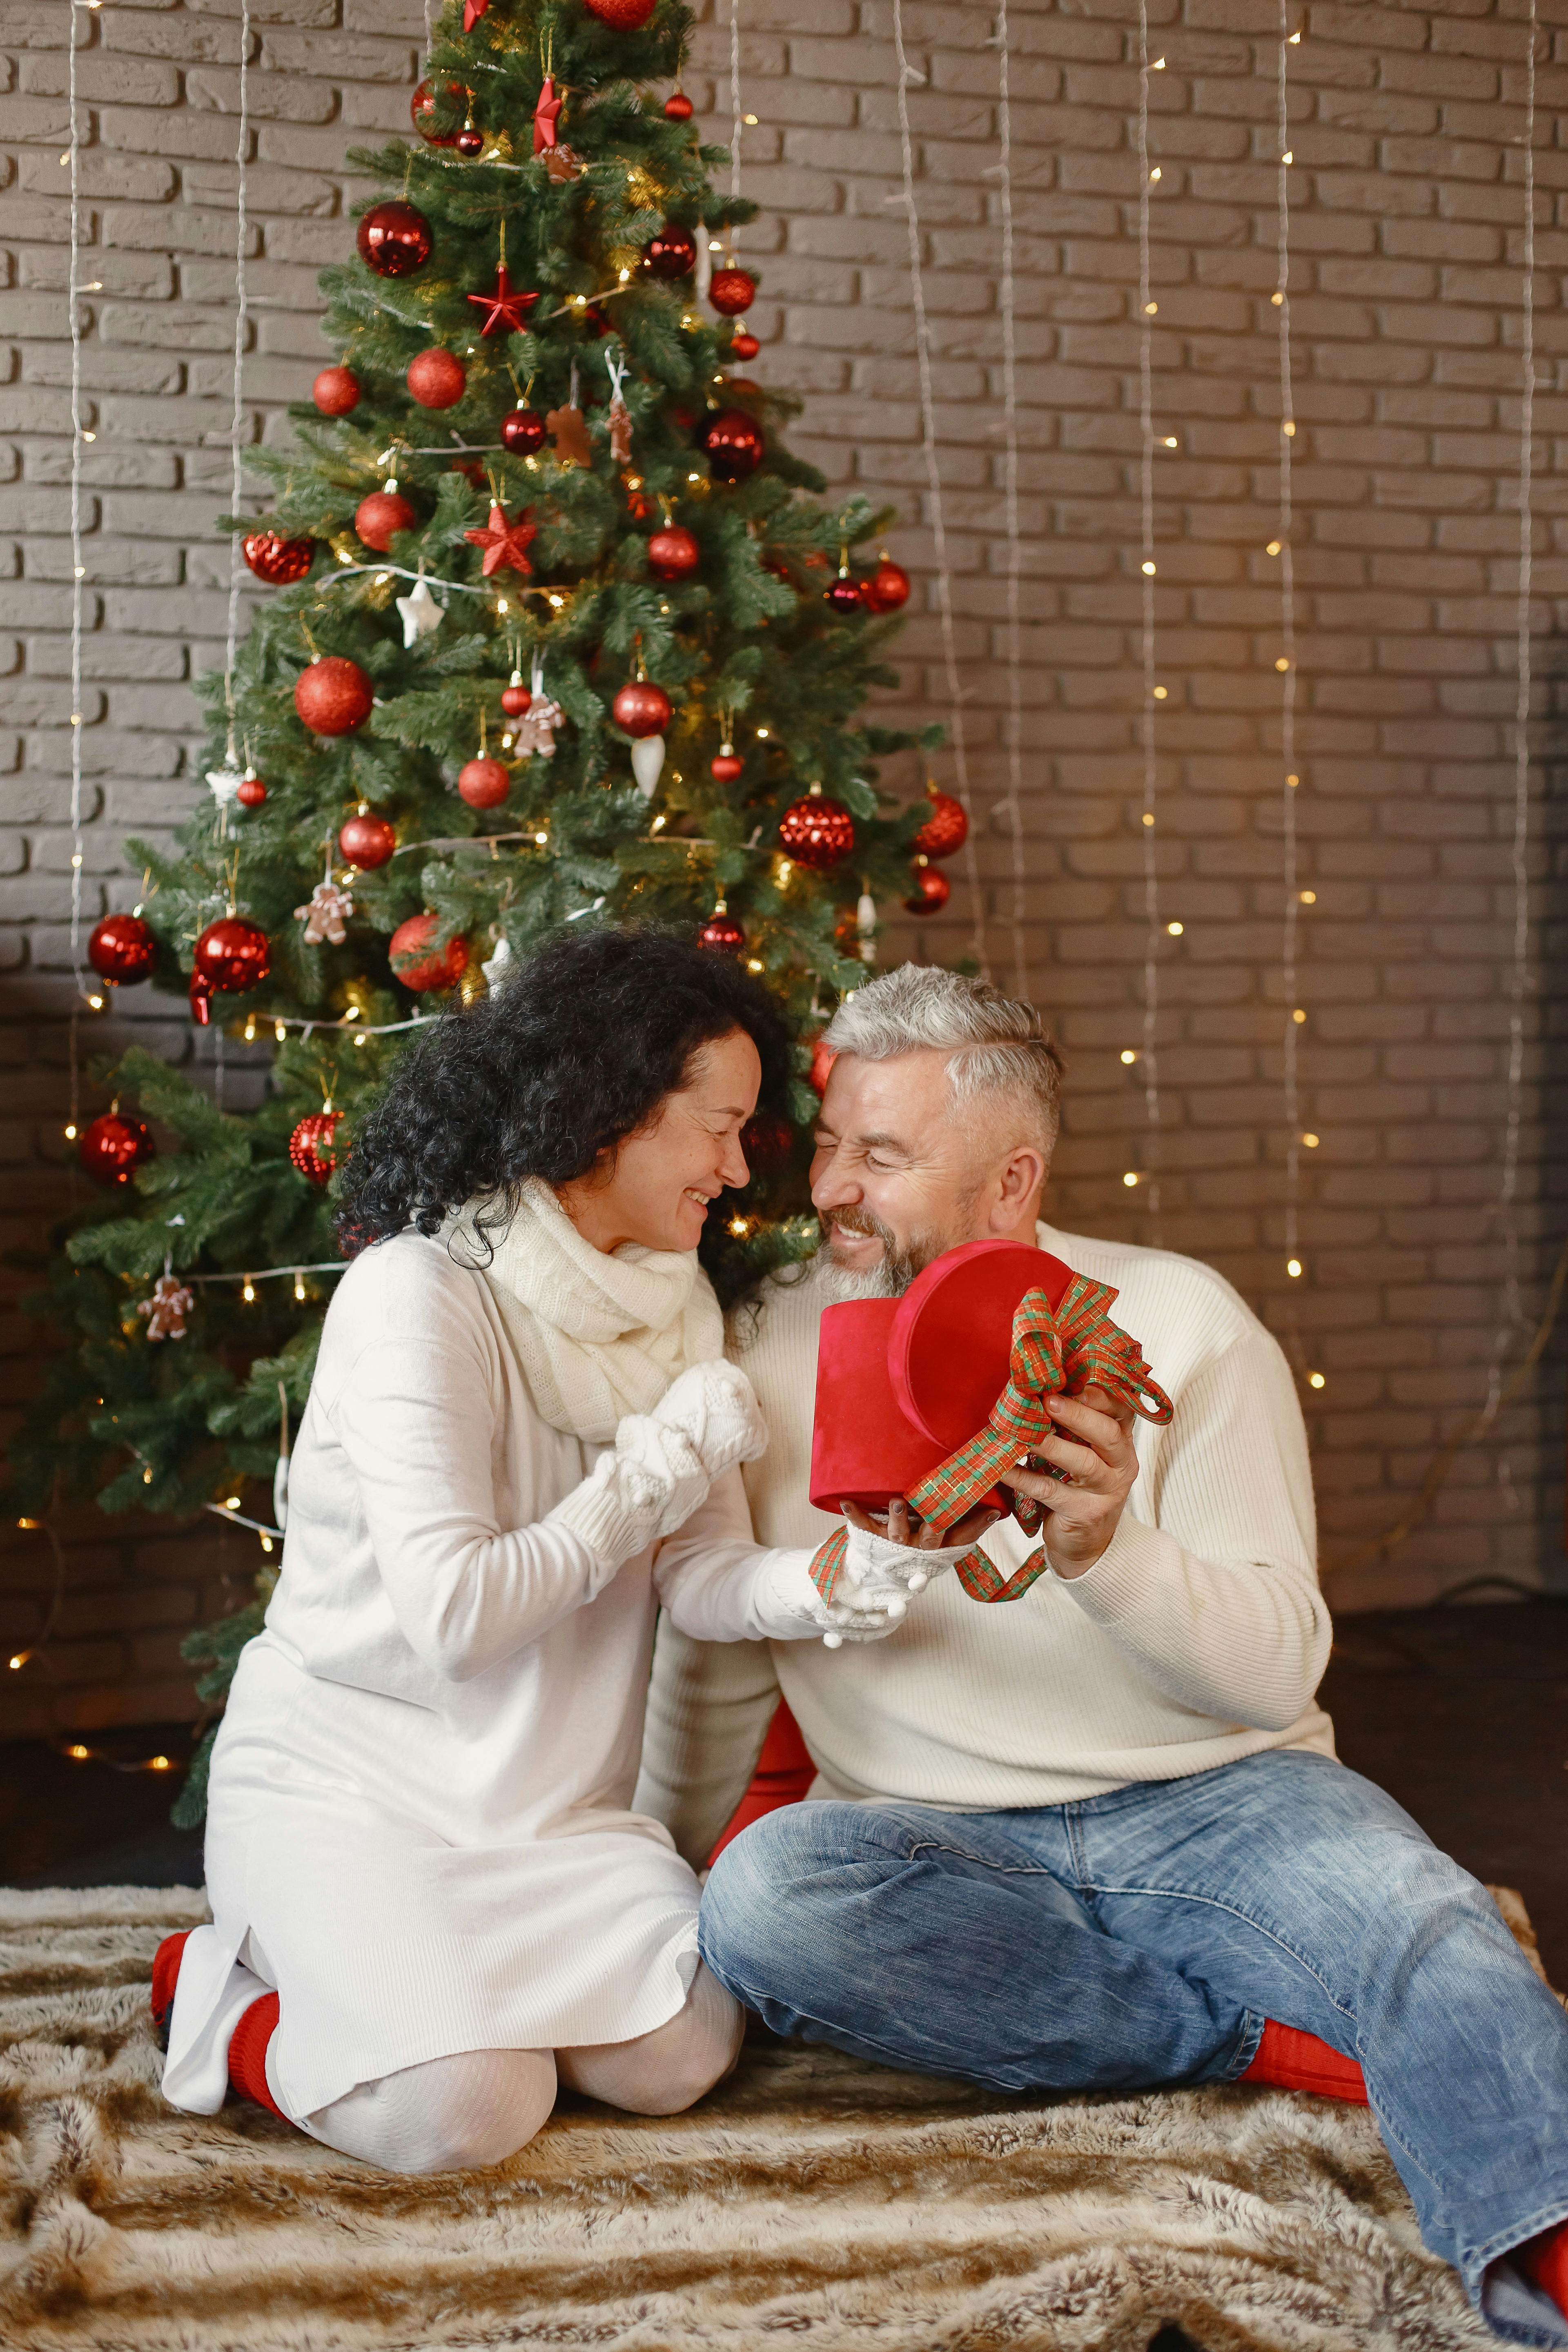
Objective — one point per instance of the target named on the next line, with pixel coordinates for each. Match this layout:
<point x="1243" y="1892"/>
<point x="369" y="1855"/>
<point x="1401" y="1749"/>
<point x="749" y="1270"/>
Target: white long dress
<point x="419" y="1824"/>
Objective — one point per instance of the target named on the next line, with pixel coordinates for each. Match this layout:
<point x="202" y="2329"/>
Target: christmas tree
<point x="556" y="634"/>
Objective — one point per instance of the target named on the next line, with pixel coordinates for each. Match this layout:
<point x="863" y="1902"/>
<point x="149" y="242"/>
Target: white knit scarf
<point x="598" y="1334"/>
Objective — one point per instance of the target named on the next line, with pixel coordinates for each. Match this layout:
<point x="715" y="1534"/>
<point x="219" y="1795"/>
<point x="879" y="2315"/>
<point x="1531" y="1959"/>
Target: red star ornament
<point x="546" y="116"/>
<point x="472" y="11"/>
<point x="507" y="306"/>
<point x="504" y="543"/>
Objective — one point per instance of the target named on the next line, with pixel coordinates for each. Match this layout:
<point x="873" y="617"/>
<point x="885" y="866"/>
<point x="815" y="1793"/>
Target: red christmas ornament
<point x="678" y="106"/>
<point x="422" y="108"/>
<point x="515" y="700"/>
<point x="250" y="791"/>
<point x="641" y="708"/>
<point x="311" y="1145"/>
<point x="336" y="391"/>
<point x="726" y="766"/>
<point x="438" y="378"/>
<point x="547" y="116"/>
<point x="394" y="239"/>
<point x="823" y="1056"/>
<point x="472" y="11"/>
<point x="417" y="962"/>
<point x="469" y="142"/>
<point x="112" y="1146"/>
<point x="484" y="784"/>
<point x="672" y="552"/>
<point x="507" y="312"/>
<point x="334" y="696"/>
<point x="276" y="561"/>
<point x="522" y="431"/>
<point x="843" y="596"/>
<point x="626" y="16"/>
<point x="945" y="830"/>
<point x="931" y="891"/>
<point x="504" y="543"/>
<point x="377" y="517"/>
<point x="230" y="956"/>
<point x="733" y="442"/>
<point x="816" y="832"/>
<point x="767" y="1142"/>
<point x="730" y="291"/>
<point x="721" y="933"/>
<point x="744" y="344"/>
<point x="639" y="505"/>
<point x="367" y="841"/>
<point x="672" y="253"/>
<point x="887" y="588"/>
<point x="122" y="949"/>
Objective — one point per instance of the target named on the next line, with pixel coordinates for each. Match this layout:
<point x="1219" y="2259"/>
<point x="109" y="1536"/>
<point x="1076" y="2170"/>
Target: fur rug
<point x="809" y="2199"/>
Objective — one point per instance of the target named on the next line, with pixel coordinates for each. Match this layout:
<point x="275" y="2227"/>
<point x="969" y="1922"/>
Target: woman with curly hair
<point x="432" y="1901"/>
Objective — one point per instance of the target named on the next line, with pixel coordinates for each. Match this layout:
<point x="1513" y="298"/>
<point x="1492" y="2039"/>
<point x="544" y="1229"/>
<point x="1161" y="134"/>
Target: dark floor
<point x="1460" y="1712"/>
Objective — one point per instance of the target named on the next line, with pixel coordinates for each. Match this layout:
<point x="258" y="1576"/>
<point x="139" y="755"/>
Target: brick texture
<point x="1408" y="210"/>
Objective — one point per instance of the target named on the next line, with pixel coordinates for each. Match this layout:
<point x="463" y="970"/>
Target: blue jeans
<point x="1144" y="1936"/>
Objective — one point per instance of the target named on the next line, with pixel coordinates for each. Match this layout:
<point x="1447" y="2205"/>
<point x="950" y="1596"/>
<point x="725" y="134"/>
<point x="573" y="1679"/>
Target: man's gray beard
<point x="888" y="1278"/>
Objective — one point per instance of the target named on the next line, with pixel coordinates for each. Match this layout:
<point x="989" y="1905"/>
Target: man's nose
<point x="832" y="1185"/>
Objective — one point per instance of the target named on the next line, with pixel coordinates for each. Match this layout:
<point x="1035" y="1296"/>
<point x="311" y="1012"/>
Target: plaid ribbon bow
<point x="1053" y="1354"/>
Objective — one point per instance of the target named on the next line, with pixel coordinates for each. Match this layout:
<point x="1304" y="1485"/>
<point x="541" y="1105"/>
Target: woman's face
<point x="664" y="1176"/>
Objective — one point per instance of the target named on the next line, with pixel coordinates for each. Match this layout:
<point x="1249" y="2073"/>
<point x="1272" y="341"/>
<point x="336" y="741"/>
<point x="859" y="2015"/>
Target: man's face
<point x="896" y="1179"/>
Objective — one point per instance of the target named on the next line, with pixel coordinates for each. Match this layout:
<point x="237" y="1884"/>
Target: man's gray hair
<point x="998" y="1044"/>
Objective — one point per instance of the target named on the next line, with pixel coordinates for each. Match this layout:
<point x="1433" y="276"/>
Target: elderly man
<point x="1096" y="1836"/>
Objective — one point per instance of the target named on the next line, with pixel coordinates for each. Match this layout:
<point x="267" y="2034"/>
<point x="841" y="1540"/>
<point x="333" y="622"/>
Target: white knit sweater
<point x="1199" y="1635"/>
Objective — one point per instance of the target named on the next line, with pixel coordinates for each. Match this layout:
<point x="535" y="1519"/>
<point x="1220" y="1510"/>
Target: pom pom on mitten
<point x="647" y="1487"/>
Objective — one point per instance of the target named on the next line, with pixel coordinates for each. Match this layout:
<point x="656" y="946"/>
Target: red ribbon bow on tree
<point x="1053" y="1354"/>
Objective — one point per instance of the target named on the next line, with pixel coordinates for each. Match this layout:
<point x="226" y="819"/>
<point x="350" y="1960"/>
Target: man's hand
<point x="1091" y="1440"/>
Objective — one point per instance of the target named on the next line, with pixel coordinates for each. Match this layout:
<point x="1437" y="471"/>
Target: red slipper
<point x="1294" y="2060"/>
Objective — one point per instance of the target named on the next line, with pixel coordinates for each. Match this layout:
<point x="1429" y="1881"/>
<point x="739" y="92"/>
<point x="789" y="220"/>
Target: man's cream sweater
<point x="1198" y="1636"/>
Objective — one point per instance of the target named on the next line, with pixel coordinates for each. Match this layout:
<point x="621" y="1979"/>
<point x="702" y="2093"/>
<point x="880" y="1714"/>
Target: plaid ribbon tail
<point x="982" y="1581"/>
<point x="827" y="1565"/>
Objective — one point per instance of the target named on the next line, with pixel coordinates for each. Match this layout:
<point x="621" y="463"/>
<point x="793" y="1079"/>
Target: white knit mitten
<point x="876" y="1563"/>
<point x="648" y="1486"/>
<point x="794" y="1608"/>
<point x="716" y="1407"/>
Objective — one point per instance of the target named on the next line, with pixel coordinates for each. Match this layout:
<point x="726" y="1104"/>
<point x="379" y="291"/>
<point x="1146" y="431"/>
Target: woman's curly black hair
<point x="572" y="1054"/>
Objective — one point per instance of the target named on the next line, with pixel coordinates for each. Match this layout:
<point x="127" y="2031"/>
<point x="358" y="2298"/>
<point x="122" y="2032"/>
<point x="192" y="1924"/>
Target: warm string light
<point x="1147" y="307"/>
<point x="905" y="75"/>
<point x="1285" y="664"/>
<point x="1507" y="1205"/>
<point x="1007" y="298"/>
<point x="739" y="120"/>
<point x="79" y="569"/>
<point x="241" y="329"/>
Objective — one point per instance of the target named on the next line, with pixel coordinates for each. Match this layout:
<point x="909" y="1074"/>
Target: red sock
<point x="166" y="1975"/>
<point x="247" y="2044"/>
<point x="1294" y="2060"/>
<point x="1545" y="2260"/>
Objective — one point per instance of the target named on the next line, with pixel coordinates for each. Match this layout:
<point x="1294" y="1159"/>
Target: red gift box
<point x="901" y="1382"/>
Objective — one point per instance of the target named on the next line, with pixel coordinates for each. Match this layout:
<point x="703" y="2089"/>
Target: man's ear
<point x="1015" y="1186"/>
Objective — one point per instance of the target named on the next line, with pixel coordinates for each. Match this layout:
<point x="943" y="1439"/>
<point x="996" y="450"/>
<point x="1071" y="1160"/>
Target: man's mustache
<point x="861" y="1221"/>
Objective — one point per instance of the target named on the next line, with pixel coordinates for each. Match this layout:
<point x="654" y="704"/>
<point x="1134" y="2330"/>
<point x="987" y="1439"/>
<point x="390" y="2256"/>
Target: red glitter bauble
<point x="311" y="1145"/>
<point x="722" y="933"/>
<point x="887" y="588"/>
<point x="945" y="830"/>
<point x="744" y="345"/>
<point x="733" y="442"/>
<point x="672" y="552"/>
<point x="641" y="708"/>
<point x="515" y="700"/>
<point x="232" y="955"/>
<point x="816" y="832"/>
<point x="931" y="891"/>
<point x="522" y="430"/>
<point x="122" y="949"/>
<point x="335" y="391"/>
<point x="276" y="561"/>
<point x="394" y="239"/>
<point x="112" y="1147"/>
<point x="672" y="253"/>
<point x="730" y="291"/>
<point x="367" y="841"/>
<point x="626" y="16"/>
<point x="334" y="696"/>
<point x="417" y="962"/>
<point x="844" y="597"/>
<point x="823" y="1056"/>
<point x="725" y="767"/>
<point x="678" y="106"/>
<point x="422" y="106"/>
<point x="438" y="378"/>
<point x="484" y="784"/>
<point x="250" y="791"/>
<point x="377" y="517"/>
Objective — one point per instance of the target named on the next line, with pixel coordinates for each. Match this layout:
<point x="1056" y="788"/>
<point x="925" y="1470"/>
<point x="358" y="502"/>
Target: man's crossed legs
<point x="1145" y="1936"/>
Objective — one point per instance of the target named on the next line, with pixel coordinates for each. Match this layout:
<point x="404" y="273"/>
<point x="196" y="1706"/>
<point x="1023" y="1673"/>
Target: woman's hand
<point x="715" y="1407"/>
<point x="907" y="1551"/>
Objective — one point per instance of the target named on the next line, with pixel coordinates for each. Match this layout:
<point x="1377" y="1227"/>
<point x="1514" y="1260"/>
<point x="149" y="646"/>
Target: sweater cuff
<point x="1116" y="1588"/>
<point x="596" y="1515"/>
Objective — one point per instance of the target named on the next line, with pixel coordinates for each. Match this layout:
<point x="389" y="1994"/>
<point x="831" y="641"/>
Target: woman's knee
<point x="667" y="2071"/>
<point x="460" y="2114"/>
